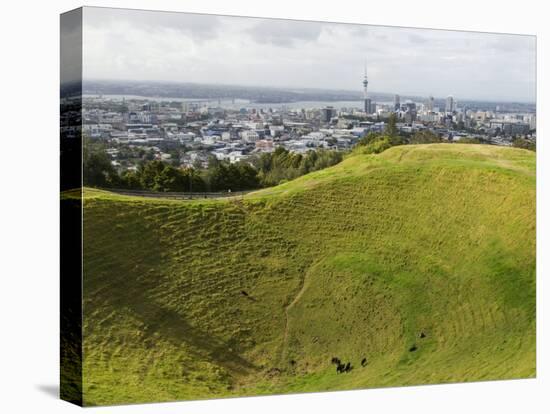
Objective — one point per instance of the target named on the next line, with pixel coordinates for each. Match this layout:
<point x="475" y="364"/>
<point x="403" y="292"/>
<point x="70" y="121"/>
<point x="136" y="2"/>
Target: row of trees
<point x="374" y="142"/>
<point x="524" y="143"/>
<point x="282" y="165"/>
<point x="160" y="176"/>
<point x="97" y="168"/>
<point x="262" y="171"/>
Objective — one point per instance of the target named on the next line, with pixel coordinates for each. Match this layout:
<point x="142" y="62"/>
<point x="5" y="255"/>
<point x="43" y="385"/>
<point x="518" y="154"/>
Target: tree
<point x="213" y="162"/>
<point x="248" y="177"/>
<point x="524" y="143"/>
<point x="169" y="179"/>
<point x="130" y="179"/>
<point x="267" y="169"/>
<point x="175" y="156"/>
<point x="308" y="162"/>
<point x="326" y="159"/>
<point x="197" y="164"/>
<point x="98" y="171"/>
<point x="262" y="163"/>
<point x="425" y="137"/>
<point x="149" y="155"/>
<point x="148" y="173"/>
<point x="283" y="165"/>
<point x="377" y="146"/>
<point x="391" y="128"/>
<point x="160" y="176"/>
<point x="218" y="178"/>
<point x="370" y="137"/>
<point x="193" y="182"/>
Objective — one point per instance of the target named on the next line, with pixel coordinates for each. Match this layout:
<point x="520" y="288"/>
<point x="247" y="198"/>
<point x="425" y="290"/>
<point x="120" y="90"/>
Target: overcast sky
<point x="140" y="45"/>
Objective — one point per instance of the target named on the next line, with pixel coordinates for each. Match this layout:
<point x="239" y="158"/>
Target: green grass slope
<point x="355" y="261"/>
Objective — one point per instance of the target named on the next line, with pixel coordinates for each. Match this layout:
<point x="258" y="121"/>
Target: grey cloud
<point x="285" y="33"/>
<point x="415" y="38"/>
<point x="200" y="48"/>
<point x="513" y="43"/>
<point x="198" y="26"/>
<point x="356" y="30"/>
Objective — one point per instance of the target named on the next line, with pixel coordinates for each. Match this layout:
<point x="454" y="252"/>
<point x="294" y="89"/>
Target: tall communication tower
<point x="365" y="83"/>
<point x="368" y="102"/>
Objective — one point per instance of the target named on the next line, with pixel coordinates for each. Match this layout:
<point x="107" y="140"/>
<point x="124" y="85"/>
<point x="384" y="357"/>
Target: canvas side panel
<point x="71" y="207"/>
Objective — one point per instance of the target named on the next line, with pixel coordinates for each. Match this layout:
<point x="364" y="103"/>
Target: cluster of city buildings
<point x="198" y="129"/>
<point x="454" y="121"/>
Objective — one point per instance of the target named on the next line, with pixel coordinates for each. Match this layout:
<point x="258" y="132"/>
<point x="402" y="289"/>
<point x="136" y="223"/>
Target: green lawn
<point x="355" y="261"/>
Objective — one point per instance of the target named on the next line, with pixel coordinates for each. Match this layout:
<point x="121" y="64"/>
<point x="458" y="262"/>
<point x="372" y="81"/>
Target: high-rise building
<point x="328" y="113"/>
<point x="396" y="102"/>
<point x="430" y="104"/>
<point x="450" y="104"/>
<point x="368" y="106"/>
<point x="410" y="111"/>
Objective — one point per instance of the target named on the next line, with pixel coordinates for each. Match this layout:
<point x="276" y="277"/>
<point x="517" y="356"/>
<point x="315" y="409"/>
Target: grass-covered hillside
<point x="416" y="266"/>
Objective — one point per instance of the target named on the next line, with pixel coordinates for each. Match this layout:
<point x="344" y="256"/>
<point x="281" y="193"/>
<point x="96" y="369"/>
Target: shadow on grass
<point x="173" y="327"/>
<point x="123" y="284"/>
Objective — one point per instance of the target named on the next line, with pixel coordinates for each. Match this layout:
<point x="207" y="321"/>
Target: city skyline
<point x="194" y="48"/>
<point x="358" y="91"/>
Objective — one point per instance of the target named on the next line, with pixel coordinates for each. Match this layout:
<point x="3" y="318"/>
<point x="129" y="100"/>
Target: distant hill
<point x="215" y="91"/>
<point x="273" y="95"/>
<point x="418" y="263"/>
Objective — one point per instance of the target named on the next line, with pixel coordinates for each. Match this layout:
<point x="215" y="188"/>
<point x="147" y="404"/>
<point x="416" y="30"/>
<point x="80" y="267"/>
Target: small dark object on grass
<point x="246" y="295"/>
<point x="292" y="362"/>
<point x="413" y="348"/>
<point x="422" y="335"/>
<point x="364" y="362"/>
<point x="340" y="367"/>
<point x="335" y="360"/>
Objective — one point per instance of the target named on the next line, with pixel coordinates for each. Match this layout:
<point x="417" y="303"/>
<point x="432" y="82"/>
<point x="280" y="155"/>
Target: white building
<point x="315" y="136"/>
<point x="210" y="139"/>
<point x="276" y="130"/>
<point x="249" y="136"/>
